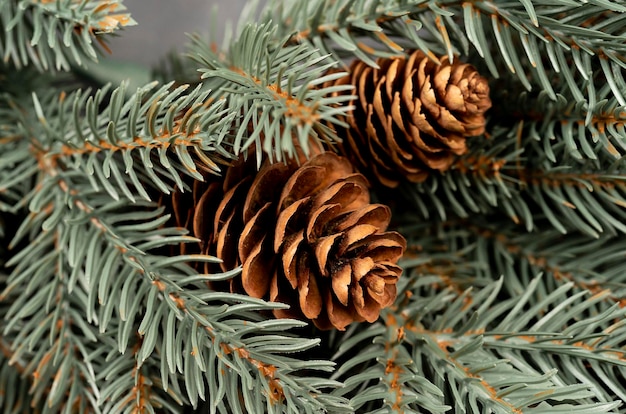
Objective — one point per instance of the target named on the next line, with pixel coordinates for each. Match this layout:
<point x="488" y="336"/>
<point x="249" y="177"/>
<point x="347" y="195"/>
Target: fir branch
<point x="526" y="35"/>
<point x="109" y="253"/>
<point x="242" y="373"/>
<point x="273" y="90"/>
<point x="513" y="174"/>
<point x="72" y="238"/>
<point x="336" y="27"/>
<point x="176" y="301"/>
<point x="15" y="397"/>
<point x="14" y="383"/>
<point x="391" y="382"/>
<point x="566" y="197"/>
<point x="572" y="129"/>
<point x="586" y="265"/>
<point x="564" y="259"/>
<point x="130" y="140"/>
<point x="17" y="166"/>
<point x="577" y="300"/>
<point x="538" y="31"/>
<point x="53" y="34"/>
<point x="497" y="355"/>
<point x="55" y="342"/>
<point x="98" y="315"/>
<point x="141" y="391"/>
<point x="18" y="169"/>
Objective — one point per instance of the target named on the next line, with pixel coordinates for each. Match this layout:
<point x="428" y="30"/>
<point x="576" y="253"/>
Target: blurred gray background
<point x="162" y="24"/>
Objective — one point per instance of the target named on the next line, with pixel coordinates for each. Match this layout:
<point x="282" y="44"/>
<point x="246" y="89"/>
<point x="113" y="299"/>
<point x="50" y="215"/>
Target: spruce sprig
<point x="53" y="35"/>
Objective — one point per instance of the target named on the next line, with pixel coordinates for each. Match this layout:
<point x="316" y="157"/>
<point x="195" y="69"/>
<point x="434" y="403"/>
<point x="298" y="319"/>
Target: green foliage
<point x="484" y="352"/>
<point x="503" y="174"/>
<point x="135" y="133"/>
<point x="514" y="290"/>
<point x="568" y="39"/>
<point x="457" y="338"/>
<point x="54" y="34"/>
<point x="273" y="90"/>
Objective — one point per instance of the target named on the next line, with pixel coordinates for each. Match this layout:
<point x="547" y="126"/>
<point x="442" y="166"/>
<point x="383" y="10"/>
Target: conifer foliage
<point x="209" y="241"/>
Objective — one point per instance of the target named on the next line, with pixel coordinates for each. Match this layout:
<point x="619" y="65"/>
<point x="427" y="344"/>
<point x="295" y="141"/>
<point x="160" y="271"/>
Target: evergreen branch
<point x="108" y="251"/>
<point x="141" y="391"/>
<point x="49" y="35"/>
<point x="573" y="129"/>
<point x="273" y="90"/>
<point x="512" y="174"/>
<point x="565" y="259"/>
<point x="101" y="312"/>
<point x="389" y="383"/>
<point x="572" y="197"/>
<point x="131" y="140"/>
<point x="486" y="353"/>
<point x="86" y="266"/>
<point x="539" y="31"/>
<point x="18" y="170"/>
<point x="207" y="342"/>
<point x="56" y="341"/>
<point x="435" y="261"/>
<point x="468" y="253"/>
<point x="517" y="38"/>
<point x="99" y="216"/>
<point x="15" y="385"/>
<point x="15" y="395"/>
<point x="573" y="310"/>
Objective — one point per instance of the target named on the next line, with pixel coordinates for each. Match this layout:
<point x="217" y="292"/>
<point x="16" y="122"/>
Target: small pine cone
<point x="412" y="115"/>
<point x="305" y="235"/>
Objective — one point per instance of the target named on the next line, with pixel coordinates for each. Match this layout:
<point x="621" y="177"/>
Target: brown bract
<point x="412" y="115"/>
<point x="305" y="235"/>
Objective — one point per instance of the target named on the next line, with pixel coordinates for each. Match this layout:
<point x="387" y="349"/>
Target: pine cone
<point x="412" y="115"/>
<point x="304" y="235"/>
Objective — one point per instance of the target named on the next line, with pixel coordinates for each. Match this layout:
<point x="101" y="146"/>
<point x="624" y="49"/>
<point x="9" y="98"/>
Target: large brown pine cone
<point x="412" y="115"/>
<point x="305" y="235"/>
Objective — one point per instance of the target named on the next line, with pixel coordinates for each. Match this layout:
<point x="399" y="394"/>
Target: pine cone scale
<point x="225" y="244"/>
<point x="361" y="266"/>
<point x="232" y="200"/>
<point x="366" y="307"/>
<point x="289" y="257"/>
<point x="323" y="250"/>
<point x="388" y="249"/>
<point x="309" y="292"/>
<point x="203" y="203"/>
<point x="338" y="315"/>
<point x="320" y="219"/>
<point x="253" y="231"/>
<point x="265" y="188"/>
<point x="303" y="182"/>
<point x="375" y="214"/>
<point x="454" y="98"/>
<point x="346" y="194"/>
<point x="341" y="280"/>
<point x="254" y="276"/>
<point x="289" y="218"/>
<point x="378" y="292"/>
<point x="375" y="287"/>
<point x="354" y="235"/>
